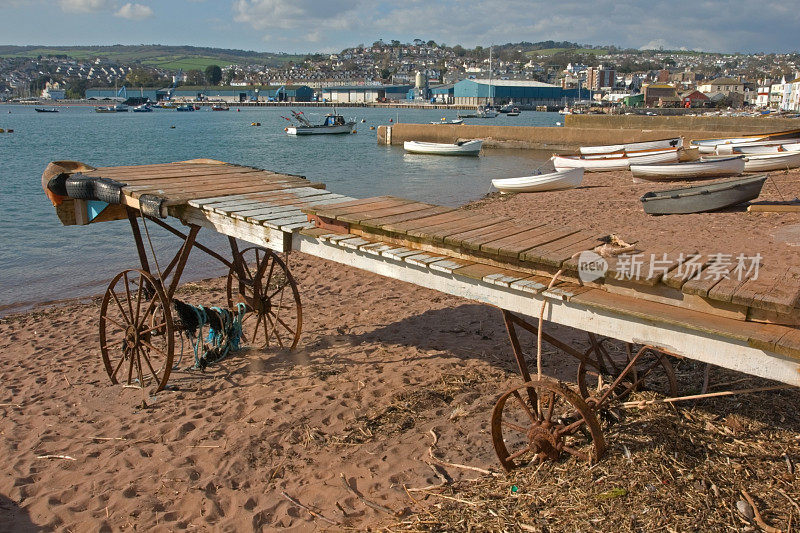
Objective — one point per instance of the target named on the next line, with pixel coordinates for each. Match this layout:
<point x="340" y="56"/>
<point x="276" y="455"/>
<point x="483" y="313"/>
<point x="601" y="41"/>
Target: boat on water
<point x="461" y="148"/>
<point x="508" y="108"/>
<point x="673" y="142"/>
<point x="730" y="166"/>
<point x="514" y="112"/>
<point x="486" y="111"/>
<point x="445" y="121"/>
<point x="332" y="125"/>
<point x="105" y="109"/>
<point x="121" y="108"/>
<point x="553" y="181"/>
<point x="185" y="108"/>
<point x="220" y="107"/>
<point x="46" y="110"/>
<point x="144" y="108"/>
<point x="709" y="146"/>
<point x="702" y="198"/>
<point x="763" y="162"/>
<point x="615" y="161"/>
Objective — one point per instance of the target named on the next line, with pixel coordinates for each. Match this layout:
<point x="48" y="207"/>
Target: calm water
<point x="43" y="261"/>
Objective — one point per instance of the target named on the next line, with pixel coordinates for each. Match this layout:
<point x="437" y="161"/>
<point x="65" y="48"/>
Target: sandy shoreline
<point x="381" y="365"/>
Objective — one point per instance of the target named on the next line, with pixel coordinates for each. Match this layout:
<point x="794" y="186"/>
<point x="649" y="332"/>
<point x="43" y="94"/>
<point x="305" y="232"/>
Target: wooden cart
<point x="745" y="324"/>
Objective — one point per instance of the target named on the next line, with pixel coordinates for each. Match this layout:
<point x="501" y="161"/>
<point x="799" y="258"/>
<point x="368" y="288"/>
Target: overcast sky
<point x="330" y="25"/>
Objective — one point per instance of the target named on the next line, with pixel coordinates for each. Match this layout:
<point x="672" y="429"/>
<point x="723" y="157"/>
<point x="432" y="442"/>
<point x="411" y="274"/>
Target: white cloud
<point x="83" y="6"/>
<point x="134" y="12"/>
<point x="298" y="20"/>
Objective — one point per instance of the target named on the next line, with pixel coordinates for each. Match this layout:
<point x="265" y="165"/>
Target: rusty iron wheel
<point x="609" y="358"/>
<point x="544" y="419"/>
<point x="137" y="339"/>
<point x="274" y="312"/>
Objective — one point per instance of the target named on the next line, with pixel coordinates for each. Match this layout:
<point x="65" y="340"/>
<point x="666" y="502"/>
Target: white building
<point x="53" y="91"/>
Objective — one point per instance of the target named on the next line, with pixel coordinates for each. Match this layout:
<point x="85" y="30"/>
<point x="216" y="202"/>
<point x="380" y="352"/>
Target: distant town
<point x="530" y="75"/>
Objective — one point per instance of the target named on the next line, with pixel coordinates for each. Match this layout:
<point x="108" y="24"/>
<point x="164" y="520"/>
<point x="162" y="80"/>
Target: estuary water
<point x="42" y="261"/>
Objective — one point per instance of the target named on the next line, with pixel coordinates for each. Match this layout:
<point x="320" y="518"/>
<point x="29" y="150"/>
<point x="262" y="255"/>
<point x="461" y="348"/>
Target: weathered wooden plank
<point x="557" y="253"/>
<point x="398" y="253"/>
<point x="379" y="222"/>
<point x="481" y="270"/>
<point x="354" y="210"/>
<point x="450" y="264"/>
<point x="533" y="284"/>
<point x="690" y="266"/>
<point x="423" y="259"/>
<point x="377" y="248"/>
<point x="279" y="223"/>
<point x="776" y="289"/>
<point x="433" y="220"/>
<point x="400" y="209"/>
<point x="457" y="238"/>
<point x="355" y="243"/>
<point x="332" y="210"/>
<point x="514" y="245"/>
<point x="440" y="232"/>
<point x="717" y="269"/>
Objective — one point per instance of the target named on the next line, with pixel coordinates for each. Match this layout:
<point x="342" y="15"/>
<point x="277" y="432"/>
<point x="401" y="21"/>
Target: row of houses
<point x="782" y="96"/>
<point x="472" y="92"/>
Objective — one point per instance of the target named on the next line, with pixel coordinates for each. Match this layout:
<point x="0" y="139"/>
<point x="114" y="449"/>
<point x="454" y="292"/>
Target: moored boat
<point x="46" y="110"/>
<point x="220" y="107"/>
<point x="514" y="112"/>
<point x="332" y="125"/>
<point x="185" y="107"/>
<point x="730" y="166"/>
<point x="445" y="121"/>
<point x="105" y="109"/>
<point x="144" y="108"/>
<point x="463" y="148"/>
<point x="674" y="142"/>
<point x="702" y="198"/>
<point x="554" y="181"/>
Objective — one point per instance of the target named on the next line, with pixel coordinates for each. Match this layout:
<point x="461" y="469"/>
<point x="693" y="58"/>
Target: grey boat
<point x="702" y="198"/>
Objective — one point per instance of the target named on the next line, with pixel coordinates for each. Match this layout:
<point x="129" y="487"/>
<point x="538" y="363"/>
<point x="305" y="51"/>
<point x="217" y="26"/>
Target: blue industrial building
<point x="521" y="92"/>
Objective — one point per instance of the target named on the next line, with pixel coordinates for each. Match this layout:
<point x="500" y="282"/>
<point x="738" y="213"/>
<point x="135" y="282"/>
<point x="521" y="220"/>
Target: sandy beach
<point x="373" y="421"/>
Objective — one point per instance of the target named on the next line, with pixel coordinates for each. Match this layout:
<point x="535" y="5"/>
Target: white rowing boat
<point x="756" y="147"/>
<point x="554" y="181"/>
<point x="613" y="162"/>
<point x="464" y="148"/>
<point x="675" y="142"/>
<point x="705" y="168"/>
<point x="779" y="161"/>
<point x="709" y="146"/>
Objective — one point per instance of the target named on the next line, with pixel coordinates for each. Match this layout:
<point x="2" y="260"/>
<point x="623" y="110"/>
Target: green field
<point x="553" y="51"/>
<point x="166" y="57"/>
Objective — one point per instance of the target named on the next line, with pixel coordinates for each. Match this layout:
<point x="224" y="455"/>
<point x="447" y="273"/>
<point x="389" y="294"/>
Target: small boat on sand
<point x="730" y="166"/>
<point x="702" y="198"/>
<point x="709" y="146"/>
<point x="554" y="181"/>
<point x="777" y="161"/>
<point x="461" y="148"/>
<point x="674" y="142"/>
<point x="616" y="161"/>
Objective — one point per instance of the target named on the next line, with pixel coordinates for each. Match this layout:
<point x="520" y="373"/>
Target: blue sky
<point x="330" y="25"/>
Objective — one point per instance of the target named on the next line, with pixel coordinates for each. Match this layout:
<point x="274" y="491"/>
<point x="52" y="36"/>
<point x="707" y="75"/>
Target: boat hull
<point x="555" y="181"/>
<point x="703" y="198"/>
<point x="321" y="130"/>
<point x="695" y="169"/>
<point x="777" y="161"/>
<point x="467" y="148"/>
<point x="615" y="162"/>
<point x="674" y="142"/>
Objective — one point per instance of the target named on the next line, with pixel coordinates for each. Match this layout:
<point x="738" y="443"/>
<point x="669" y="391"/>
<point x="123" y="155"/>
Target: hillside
<point x="157" y="56"/>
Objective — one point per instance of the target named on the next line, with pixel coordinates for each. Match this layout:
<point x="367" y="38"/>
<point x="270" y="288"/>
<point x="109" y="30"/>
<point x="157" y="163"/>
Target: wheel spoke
<point x="258" y="323"/>
<point x="150" y="365"/>
<point x="280" y="289"/>
<point x="520" y="452"/>
<point x="114" y="322"/>
<point x="139" y="298"/>
<point x="128" y="292"/>
<point x="121" y="360"/>
<point x="119" y="304"/>
<point x="130" y="366"/>
<point x="525" y="407"/>
<point x="551" y="404"/>
<point x="163" y="324"/>
<point x="515" y="427"/>
<point x="274" y="328"/>
<point x="569" y="429"/>
<point x="579" y="454"/>
<point x="282" y="323"/>
<point x="158" y="350"/>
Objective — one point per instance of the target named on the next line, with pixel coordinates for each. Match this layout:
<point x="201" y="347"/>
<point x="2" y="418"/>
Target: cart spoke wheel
<point x="606" y="361"/>
<point x="137" y="339"/>
<point x="274" y="312"/>
<point x="544" y="419"/>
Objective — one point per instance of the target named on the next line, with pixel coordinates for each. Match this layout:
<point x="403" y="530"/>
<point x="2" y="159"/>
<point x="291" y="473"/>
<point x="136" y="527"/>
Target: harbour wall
<point x="595" y="131"/>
